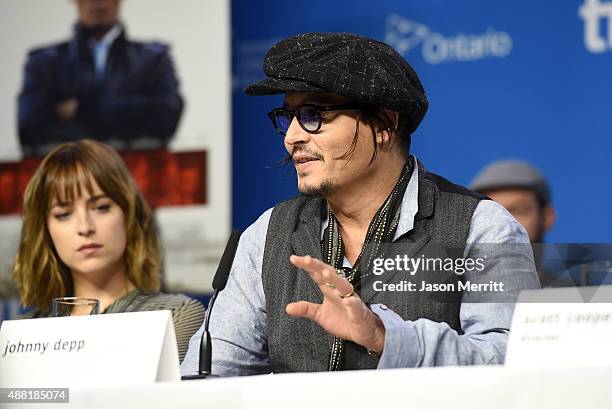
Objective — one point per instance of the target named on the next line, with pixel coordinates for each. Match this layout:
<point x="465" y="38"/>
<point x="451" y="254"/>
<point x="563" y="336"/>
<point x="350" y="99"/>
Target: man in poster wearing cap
<point x="298" y="298"/>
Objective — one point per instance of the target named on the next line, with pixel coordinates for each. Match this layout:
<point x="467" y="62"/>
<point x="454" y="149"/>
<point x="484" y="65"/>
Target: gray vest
<point x="299" y="345"/>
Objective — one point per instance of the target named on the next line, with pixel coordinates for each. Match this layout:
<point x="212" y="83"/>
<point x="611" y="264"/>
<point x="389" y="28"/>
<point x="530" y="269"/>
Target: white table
<point x="494" y="387"/>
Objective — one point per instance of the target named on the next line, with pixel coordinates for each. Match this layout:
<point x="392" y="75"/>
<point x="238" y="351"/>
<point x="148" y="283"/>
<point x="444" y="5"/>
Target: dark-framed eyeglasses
<point x="308" y="116"/>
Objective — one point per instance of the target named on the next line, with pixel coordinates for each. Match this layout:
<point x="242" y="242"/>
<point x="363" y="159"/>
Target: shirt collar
<point x="108" y="38"/>
<point x="410" y="202"/>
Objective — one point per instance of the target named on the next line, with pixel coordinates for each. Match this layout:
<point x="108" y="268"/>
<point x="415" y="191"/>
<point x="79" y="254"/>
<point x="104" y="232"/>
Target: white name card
<point x="562" y="327"/>
<point x="89" y="351"/>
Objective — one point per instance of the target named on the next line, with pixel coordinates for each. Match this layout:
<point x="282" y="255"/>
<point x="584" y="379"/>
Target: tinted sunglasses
<point x="308" y="116"/>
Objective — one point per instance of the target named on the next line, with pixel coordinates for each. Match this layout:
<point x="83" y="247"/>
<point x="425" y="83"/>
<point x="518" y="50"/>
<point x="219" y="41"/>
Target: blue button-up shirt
<point x="238" y="321"/>
<point x="100" y="48"/>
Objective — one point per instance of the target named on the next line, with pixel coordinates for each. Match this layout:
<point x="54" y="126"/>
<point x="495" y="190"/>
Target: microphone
<point x="219" y="282"/>
<point x="227" y="259"/>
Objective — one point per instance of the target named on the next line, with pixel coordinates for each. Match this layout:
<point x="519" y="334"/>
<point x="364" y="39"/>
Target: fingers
<point x="355" y="309"/>
<point x="324" y="275"/>
<point x="303" y="309"/>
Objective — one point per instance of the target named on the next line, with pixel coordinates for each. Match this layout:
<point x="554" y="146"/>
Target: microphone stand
<point x="205" y="359"/>
<point x="219" y="282"/>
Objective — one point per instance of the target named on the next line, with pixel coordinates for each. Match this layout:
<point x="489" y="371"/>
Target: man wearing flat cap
<point x="524" y="192"/>
<point x="320" y="282"/>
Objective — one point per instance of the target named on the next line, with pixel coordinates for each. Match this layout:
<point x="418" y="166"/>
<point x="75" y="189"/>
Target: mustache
<point x="302" y="149"/>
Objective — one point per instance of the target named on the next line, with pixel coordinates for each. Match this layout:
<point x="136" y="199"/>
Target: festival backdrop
<point x="525" y="79"/>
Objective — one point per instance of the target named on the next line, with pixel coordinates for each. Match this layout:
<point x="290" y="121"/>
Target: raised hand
<point x="342" y="312"/>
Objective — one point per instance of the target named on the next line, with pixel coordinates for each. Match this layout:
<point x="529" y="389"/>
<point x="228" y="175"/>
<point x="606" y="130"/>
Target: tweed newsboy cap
<point x="356" y="67"/>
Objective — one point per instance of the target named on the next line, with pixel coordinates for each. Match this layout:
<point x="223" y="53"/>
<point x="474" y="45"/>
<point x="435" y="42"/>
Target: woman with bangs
<point x="88" y="232"/>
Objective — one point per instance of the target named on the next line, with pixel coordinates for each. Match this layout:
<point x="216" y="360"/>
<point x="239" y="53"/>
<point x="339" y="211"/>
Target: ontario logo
<point x="593" y="13"/>
<point x="405" y="35"/>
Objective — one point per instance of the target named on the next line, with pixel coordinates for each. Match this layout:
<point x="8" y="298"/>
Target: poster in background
<point x="193" y="235"/>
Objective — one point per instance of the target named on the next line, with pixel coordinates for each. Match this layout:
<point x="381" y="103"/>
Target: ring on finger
<point x="349" y="294"/>
<point x="330" y="285"/>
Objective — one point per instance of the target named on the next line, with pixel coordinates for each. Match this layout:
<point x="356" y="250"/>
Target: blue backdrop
<point x="525" y="79"/>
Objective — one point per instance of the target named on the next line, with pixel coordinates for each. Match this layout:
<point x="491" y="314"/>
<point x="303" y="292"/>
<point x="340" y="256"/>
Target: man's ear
<point x="384" y="136"/>
<point x="550" y="216"/>
<point x="394" y="116"/>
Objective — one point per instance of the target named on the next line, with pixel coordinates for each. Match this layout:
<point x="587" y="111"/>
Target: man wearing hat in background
<point x="298" y="298"/>
<point x="523" y="191"/>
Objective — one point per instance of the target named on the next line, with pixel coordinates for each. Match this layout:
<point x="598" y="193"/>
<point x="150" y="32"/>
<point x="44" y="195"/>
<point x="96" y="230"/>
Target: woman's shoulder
<point x="159" y="300"/>
<point x="167" y="298"/>
<point x="34" y="313"/>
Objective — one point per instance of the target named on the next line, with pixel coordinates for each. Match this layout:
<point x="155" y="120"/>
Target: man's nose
<point x="295" y="134"/>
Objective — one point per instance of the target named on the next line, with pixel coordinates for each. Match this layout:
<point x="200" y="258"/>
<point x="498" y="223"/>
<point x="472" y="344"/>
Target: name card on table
<point x="562" y="327"/>
<point x="94" y="350"/>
